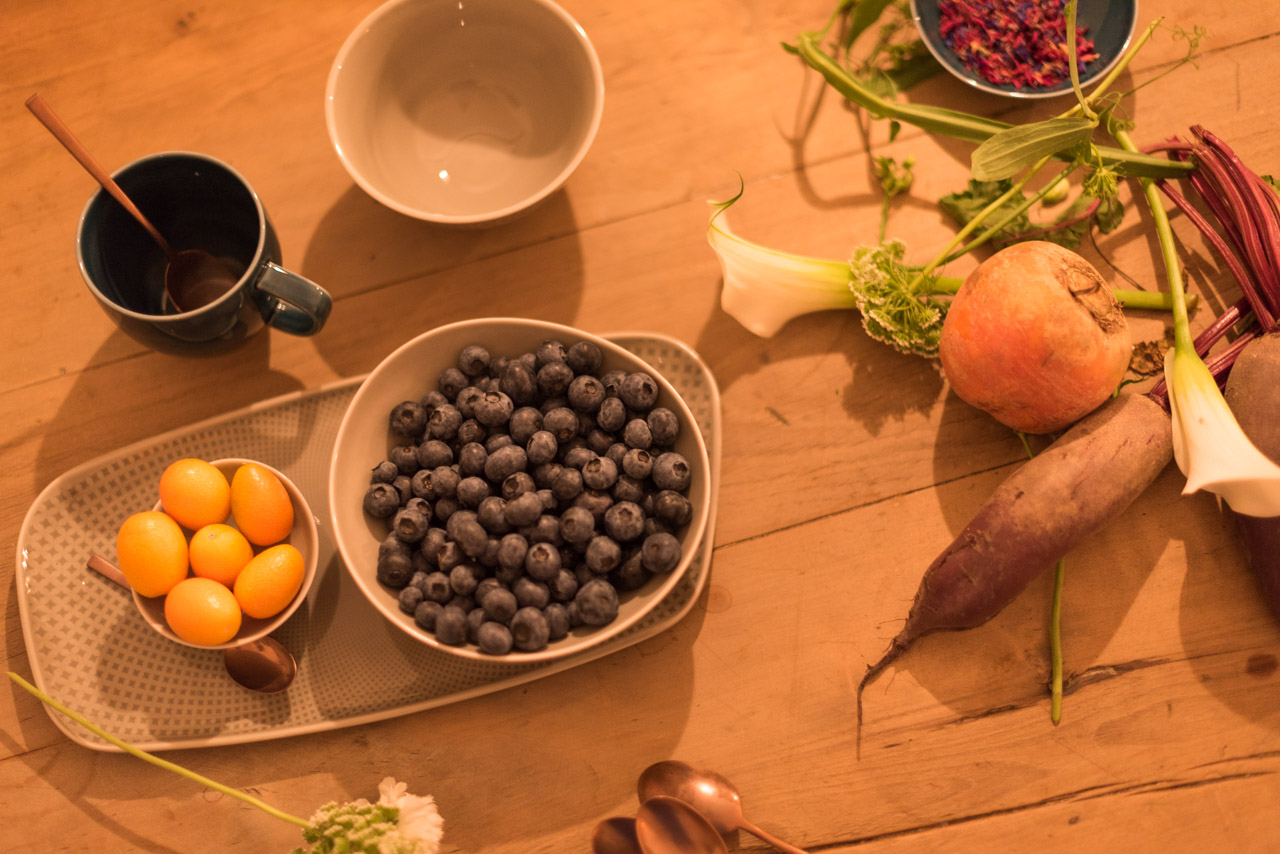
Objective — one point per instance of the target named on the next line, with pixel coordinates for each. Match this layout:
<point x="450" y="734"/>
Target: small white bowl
<point x="364" y="440"/>
<point x="304" y="537"/>
<point x="464" y="111"/>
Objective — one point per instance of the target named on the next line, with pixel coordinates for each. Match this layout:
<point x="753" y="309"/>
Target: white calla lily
<point x="765" y="288"/>
<point x="1208" y="443"/>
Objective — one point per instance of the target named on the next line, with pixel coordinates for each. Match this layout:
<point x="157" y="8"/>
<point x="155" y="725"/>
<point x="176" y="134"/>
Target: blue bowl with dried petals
<point x="996" y="49"/>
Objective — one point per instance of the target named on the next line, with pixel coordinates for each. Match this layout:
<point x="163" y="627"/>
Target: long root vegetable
<point x="1035" y="517"/>
<point x="1253" y="392"/>
<point x="1035" y="338"/>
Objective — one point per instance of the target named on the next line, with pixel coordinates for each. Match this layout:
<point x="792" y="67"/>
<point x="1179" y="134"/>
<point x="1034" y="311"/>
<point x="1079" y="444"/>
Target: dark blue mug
<point x="196" y="202"/>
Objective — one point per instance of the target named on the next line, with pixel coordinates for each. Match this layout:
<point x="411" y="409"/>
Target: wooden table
<point x="846" y="467"/>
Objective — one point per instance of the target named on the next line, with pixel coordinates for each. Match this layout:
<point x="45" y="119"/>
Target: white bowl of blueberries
<point x="510" y="488"/>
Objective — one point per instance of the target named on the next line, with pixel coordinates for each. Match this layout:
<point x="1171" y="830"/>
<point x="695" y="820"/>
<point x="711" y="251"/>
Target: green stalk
<point x="1138" y="300"/>
<point x="155" y="760"/>
<point x="1021" y="208"/>
<point x="1055" y="644"/>
<point x="957" y="124"/>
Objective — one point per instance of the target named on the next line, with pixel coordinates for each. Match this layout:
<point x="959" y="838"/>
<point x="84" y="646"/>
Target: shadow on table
<point x="393" y="277"/>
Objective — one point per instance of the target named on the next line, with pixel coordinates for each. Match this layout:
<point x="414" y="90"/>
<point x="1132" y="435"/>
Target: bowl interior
<point x="464" y="112"/>
<point x="304" y="537"/>
<point x="411" y="371"/>
<point x="1110" y="25"/>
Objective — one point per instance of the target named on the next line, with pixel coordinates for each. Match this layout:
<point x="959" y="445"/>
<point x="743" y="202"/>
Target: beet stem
<point x="895" y="649"/>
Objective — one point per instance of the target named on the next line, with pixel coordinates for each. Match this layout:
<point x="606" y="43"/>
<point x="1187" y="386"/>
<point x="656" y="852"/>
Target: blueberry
<point x="585" y="393"/>
<point x="654" y="525"/>
<point x="381" y="500"/>
<point x="508" y="575"/>
<point x="611" y="415"/>
<point x="541" y="448"/>
<point x="672" y="507"/>
<point x="629" y="489"/>
<point x="554" y="379"/>
<point x="445" y="480"/>
<point x="408" y="420"/>
<point x="472" y="490"/>
<point x="578" y="456"/>
<point x="523" y="510"/>
<point x="557" y="617"/>
<point x="466" y="400"/>
<point x="512" y="550"/>
<point x="405" y="458"/>
<point x="564" y="586"/>
<point x="529" y="630"/>
<point x="577" y="525"/>
<point x="524" y="422"/>
<point x="409" y="599"/>
<point x="519" y="383"/>
<point x="574" y="613"/>
<point x="561" y="422"/>
<point x="384" y="472"/>
<point x="471" y="459"/>
<point x="505" y="462"/>
<point x="420" y="565"/>
<point x="616" y="452"/>
<point x="431" y="545"/>
<point x="664" y="426"/>
<point x="630" y="574"/>
<point x="464" y="578"/>
<point x="530" y="593"/>
<point x="394" y="569"/>
<point x="550" y="351"/>
<point x="410" y="522"/>
<point x="486" y="586"/>
<point x="530" y="360"/>
<point x="596" y="501"/>
<point x="403" y="487"/>
<point x="426" y="614"/>
<point x="451" y="625"/>
<point x="597" y="602"/>
<point x="451" y="381"/>
<point x="466" y="604"/>
<point x="545" y="474"/>
<point x="599" y="441"/>
<point x="550" y="403"/>
<point x="542" y="561"/>
<point x="660" y="552"/>
<point x="444" y="422"/>
<point x="584" y="357"/>
<point x="497" y="441"/>
<point x="451" y="554"/>
<point x="420" y="485"/>
<point x="603" y="554"/>
<point x="468" y="533"/>
<point x="549" y="502"/>
<point x="432" y="399"/>
<point x="433" y="453"/>
<point x="489" y="559"/>
<point x="639" y="391"/>
<point x="636" y="434"/>
<point x="391" y="543"/>
<point x="671" y="471"/>
<point x="499" y="604"/>
<point x="567" y="486"/>
<point x="471" y="431"/>
<point x="476" y="618"/>
<point x="473" y="360"/>
<point x="494" y="638"/>
<point x="494" y="408"/>
<point x="517" y="484"/>
<point x="492" y="515"/>
<point x="545" y="530"/>
<point x="612" y="382"/>
<point x="600" y="473"/>
<point x="624" y="521"/>
<point x="637" y="463"/>
<point x="436" y="587"/>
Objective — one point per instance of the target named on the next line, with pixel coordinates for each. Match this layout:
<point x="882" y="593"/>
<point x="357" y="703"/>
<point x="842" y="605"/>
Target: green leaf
<point x="1109" y="215"/>
<point x="1010" y="151"/>
<point x="865" y="13"/>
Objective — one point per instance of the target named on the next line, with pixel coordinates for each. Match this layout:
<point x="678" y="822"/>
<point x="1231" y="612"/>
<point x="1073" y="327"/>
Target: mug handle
<point x="300" y="305"/>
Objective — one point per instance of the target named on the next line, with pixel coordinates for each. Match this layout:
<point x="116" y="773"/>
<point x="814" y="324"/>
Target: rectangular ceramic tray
<point x="89" y="648"/>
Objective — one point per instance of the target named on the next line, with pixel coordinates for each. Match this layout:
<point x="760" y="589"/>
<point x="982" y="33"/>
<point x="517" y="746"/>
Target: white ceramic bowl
<point x="304" y="537"/>
<point x="364" y="440"/>
<point x="464" y="111"/>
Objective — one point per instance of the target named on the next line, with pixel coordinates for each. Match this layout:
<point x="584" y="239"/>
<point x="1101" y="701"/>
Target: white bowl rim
<point x="692" y="537"/>
<point x="331" y="124"/>
<point x="310" y="561"/>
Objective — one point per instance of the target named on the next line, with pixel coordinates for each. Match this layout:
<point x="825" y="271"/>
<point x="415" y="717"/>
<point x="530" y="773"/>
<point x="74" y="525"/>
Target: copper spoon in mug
<point x="262" y="665"/>
<point x="193" y="278"/>
<point x="666" y="825"/>
<point x="615" y="835"/>
<point x="710" y="794"/>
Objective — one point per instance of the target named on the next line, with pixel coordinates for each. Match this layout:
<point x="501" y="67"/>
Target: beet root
<point x="1253" y="393"/>
<point x="1072" y="488"/>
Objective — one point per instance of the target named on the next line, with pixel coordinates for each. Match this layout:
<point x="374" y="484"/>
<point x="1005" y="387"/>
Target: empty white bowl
<point x="464" y="111"/>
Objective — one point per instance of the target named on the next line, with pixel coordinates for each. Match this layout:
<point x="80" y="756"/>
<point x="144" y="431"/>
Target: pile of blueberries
<point x="523" y="495"/>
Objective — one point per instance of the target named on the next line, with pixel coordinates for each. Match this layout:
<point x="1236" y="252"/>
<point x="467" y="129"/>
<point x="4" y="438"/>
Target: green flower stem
<point x="1055" y="644"/>
<point x="1022" y="207"/>
<point x="1109" y="80"/>
<point x="957" y="124"/>
<point x="155" y="760"/>
<point x="1139" y="300"/>
<point x="1169" y="252"/>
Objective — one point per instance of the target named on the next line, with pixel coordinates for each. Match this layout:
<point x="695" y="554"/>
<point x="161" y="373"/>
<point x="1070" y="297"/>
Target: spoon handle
<point x="107" y="569"/>
<point x="771" y="839"/>
<point x="37" y="105"/>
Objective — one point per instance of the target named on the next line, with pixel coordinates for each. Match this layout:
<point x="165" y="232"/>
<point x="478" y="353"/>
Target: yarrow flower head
<point x="399" y="823"/>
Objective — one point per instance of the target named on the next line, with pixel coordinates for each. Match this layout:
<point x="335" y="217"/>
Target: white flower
<point x="764" y="288"/>
<point x="1211" y="449"/>
<point x="419" y="821"/>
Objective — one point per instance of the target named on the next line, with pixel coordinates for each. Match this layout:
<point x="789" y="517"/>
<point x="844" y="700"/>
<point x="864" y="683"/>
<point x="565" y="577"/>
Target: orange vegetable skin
<point x="1035" y="338"/>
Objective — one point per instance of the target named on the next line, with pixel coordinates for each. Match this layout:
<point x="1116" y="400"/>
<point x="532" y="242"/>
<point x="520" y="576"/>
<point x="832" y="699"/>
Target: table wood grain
<point x="846" y="467"/>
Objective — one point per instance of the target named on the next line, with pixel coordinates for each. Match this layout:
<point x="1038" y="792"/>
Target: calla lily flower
<point x="765" y="288"/>
<point x="1208" y="443"/>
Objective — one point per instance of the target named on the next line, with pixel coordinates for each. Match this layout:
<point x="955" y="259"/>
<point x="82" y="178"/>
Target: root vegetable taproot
<point x="1253" y="393"/>
<point x="1035" y="337"/>
<point x="1042" y="511"/>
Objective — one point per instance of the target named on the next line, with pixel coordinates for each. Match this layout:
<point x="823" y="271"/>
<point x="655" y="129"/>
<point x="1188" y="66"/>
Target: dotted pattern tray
<point x="89" y="648"/>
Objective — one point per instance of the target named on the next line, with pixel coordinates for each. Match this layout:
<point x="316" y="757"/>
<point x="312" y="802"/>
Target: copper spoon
<point x="193" y="277"/>
<point x="616" y="835"/>
<point x="262" y="665"/>
<point x="707" y="792"/>
<point x="667" y="825"/>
